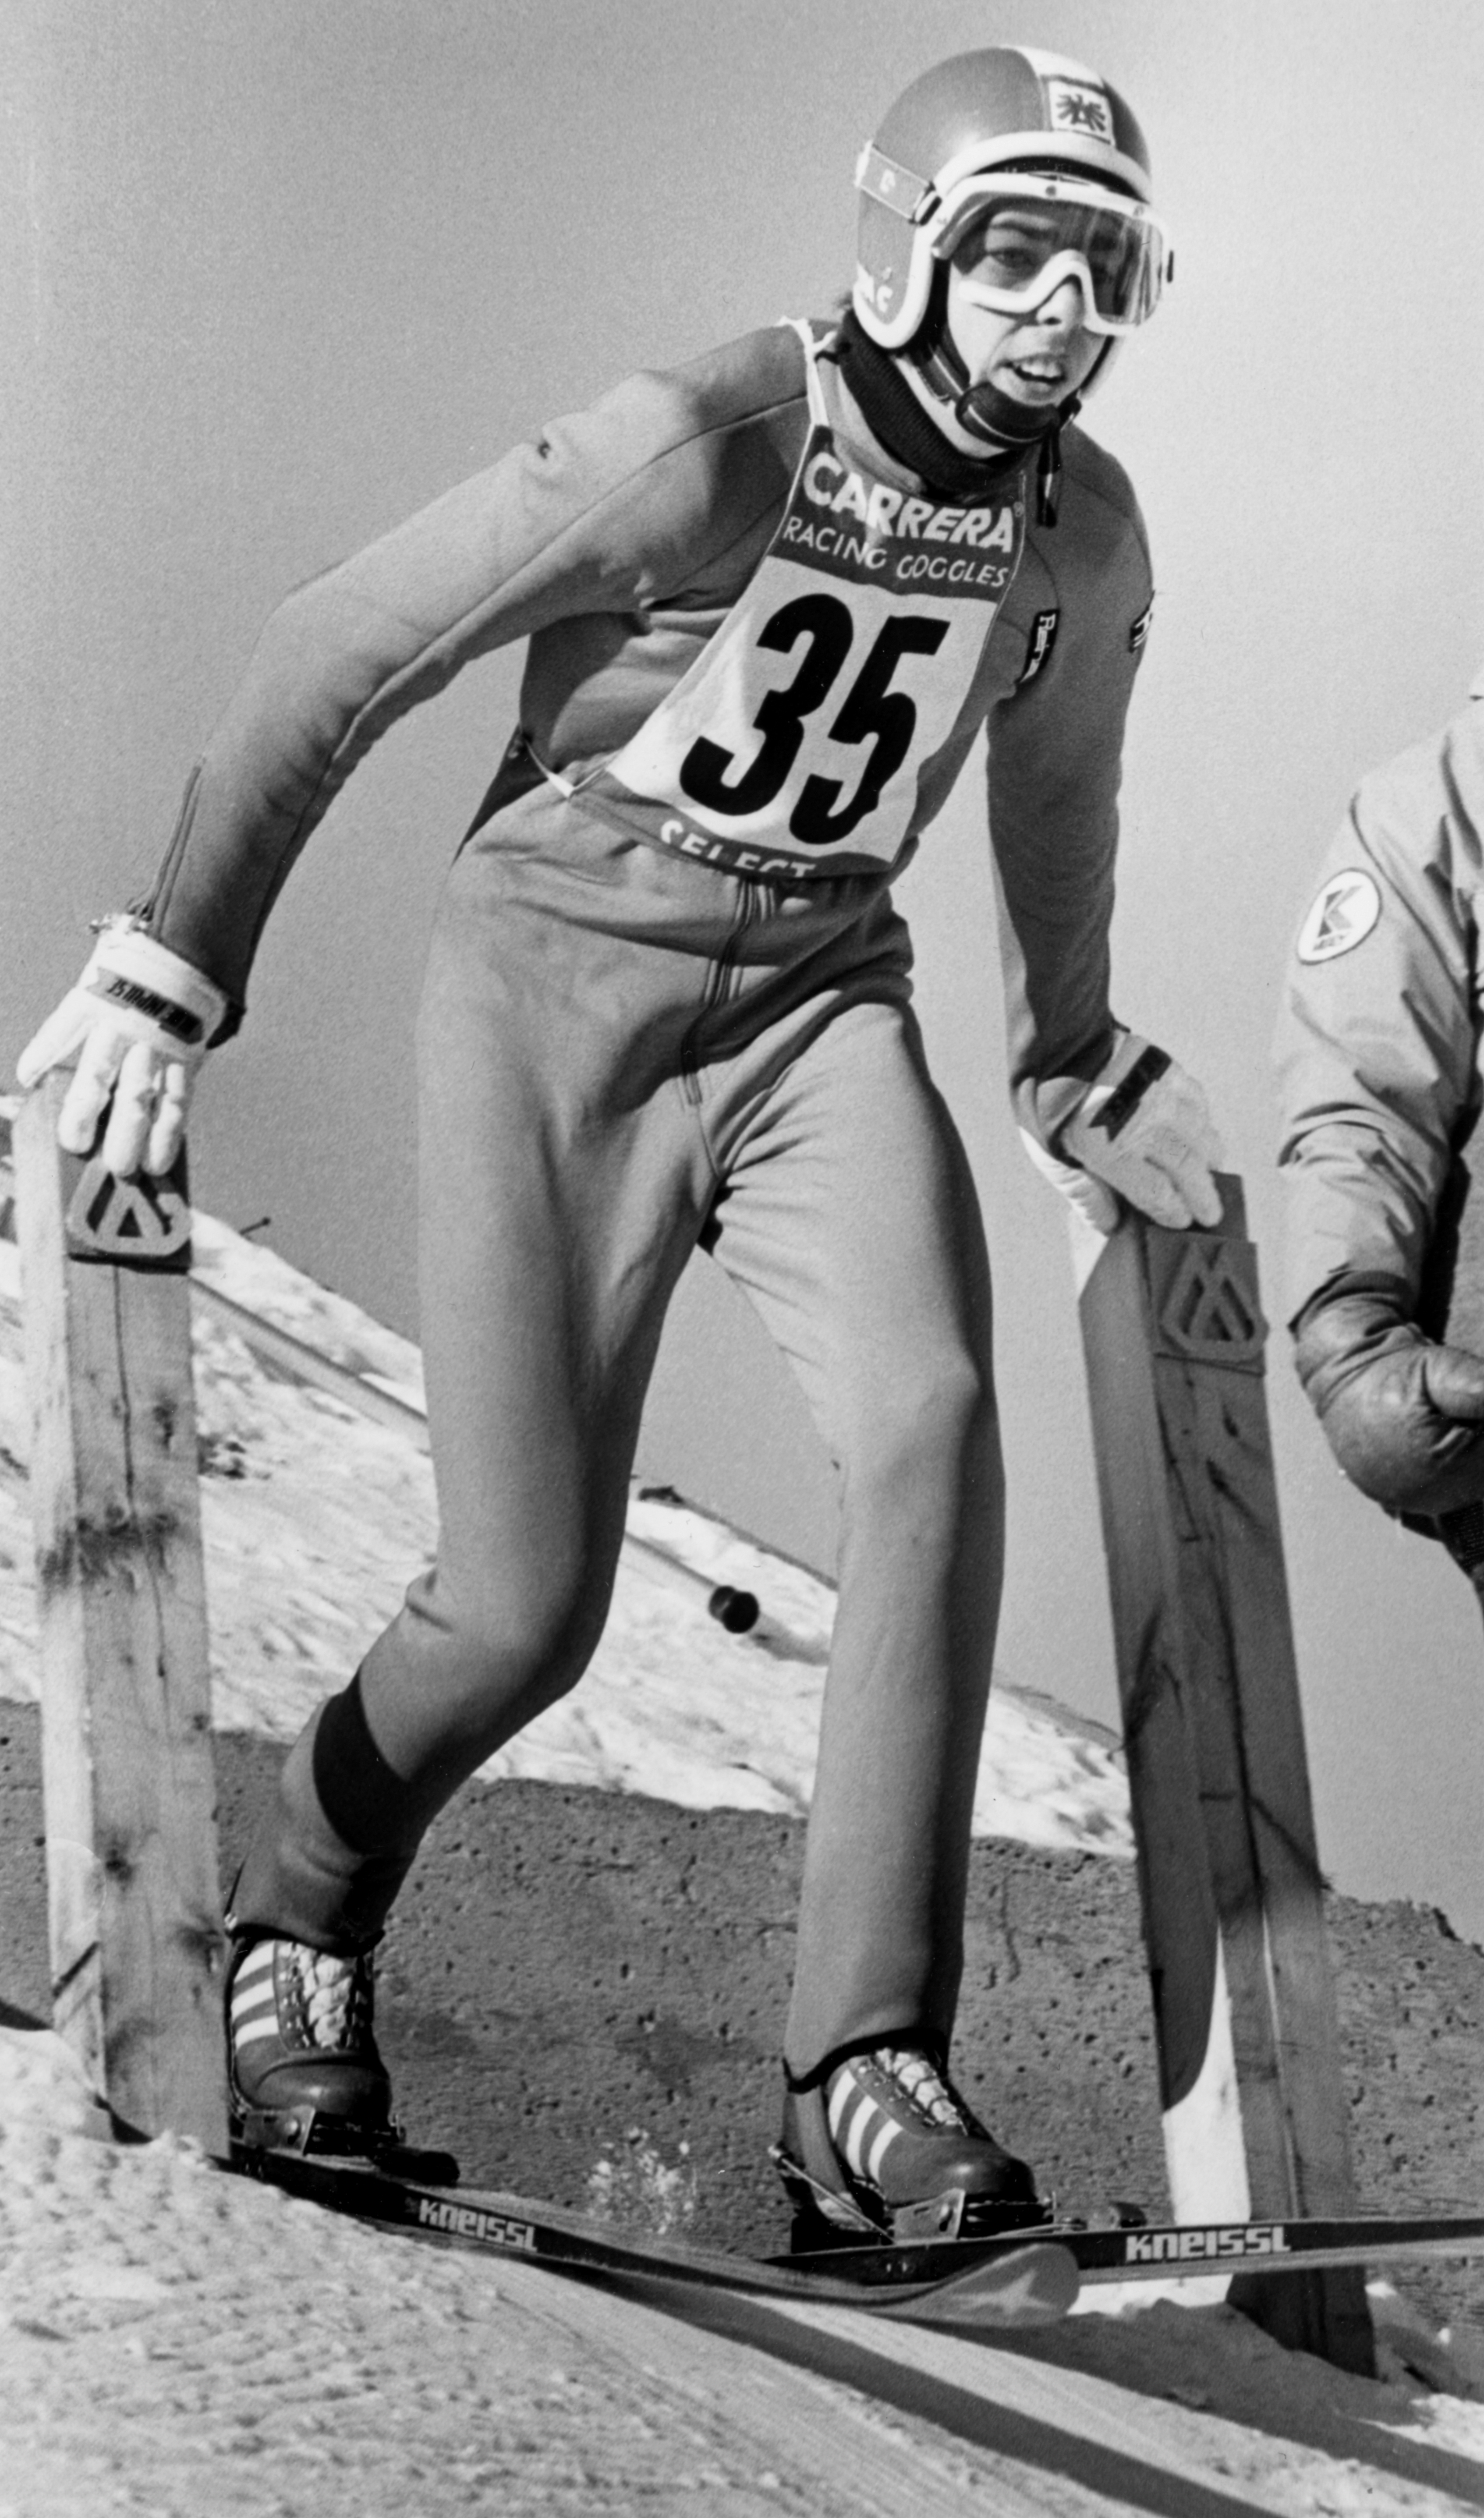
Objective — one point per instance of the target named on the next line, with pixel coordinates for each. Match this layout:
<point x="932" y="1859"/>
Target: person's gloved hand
<point x="1403" y="1415"/>
<point x="139" y="1022"/>
<point x="1142" y="1132"/>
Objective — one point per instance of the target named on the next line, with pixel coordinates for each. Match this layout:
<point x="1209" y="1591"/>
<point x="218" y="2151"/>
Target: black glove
<point x="1404" y="1417"/>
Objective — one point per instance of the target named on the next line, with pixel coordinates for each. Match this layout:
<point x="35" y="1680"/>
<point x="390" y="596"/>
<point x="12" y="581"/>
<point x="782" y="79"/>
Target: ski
<point x="1183" y="2251"/>
<point x="1027" y="2279"/>
<point x="1188" y="2250"/>
<point x="1022" y="2278"/>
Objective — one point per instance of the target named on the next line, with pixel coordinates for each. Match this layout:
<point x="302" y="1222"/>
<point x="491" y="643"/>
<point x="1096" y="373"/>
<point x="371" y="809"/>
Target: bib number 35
<point x="871" y="713"/>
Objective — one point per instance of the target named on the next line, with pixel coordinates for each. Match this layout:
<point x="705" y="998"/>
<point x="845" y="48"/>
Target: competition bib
<point x="796" y="741"/>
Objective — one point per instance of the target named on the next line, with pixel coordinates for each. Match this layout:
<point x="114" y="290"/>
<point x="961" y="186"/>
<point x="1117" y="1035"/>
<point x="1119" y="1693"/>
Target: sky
<point x="285" y="274"/>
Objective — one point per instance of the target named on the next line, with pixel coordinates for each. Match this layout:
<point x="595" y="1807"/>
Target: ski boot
<point x="303" y="2071"/>
<point x="882" y="2148"/>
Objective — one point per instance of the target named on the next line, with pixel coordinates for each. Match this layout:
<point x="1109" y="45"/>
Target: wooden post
<point x="127" y="1739"/>
<point x="1255" y="2121"/>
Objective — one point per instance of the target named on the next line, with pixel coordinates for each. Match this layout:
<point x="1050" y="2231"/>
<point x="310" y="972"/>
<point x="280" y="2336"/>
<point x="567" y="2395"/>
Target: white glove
<point x="1087" y="1196"/>
<point x="142" y="1021"/>
<point x="1143" y="1132"/>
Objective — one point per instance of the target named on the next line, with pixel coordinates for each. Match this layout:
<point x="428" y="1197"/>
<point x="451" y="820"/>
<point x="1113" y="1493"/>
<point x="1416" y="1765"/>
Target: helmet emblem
<point x="1078" y="108"/>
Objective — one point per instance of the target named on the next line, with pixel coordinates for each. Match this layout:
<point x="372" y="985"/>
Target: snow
<point x="174" y="2340"/>
<point x="314" y="1518"/>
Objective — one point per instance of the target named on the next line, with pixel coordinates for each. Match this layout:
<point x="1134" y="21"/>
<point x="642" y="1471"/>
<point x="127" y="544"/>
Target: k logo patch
<point x="1342" y="917"/>
<point x="1139" y="629"/>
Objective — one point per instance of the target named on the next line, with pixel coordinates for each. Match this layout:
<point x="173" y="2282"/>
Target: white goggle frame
<point x="1153" y="265"/>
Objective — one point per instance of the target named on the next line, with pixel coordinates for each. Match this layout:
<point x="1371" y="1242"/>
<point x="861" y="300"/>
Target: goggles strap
<point x="1048" y="475"/>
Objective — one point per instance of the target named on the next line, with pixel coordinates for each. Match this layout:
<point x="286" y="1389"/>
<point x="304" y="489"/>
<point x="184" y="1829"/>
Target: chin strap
<point x="987" y="412"/>
<point x="1006" y="429"/>
<point x="899" y="422"/>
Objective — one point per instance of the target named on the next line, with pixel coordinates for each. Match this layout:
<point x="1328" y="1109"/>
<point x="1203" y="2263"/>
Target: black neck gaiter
<point x="895" y="417"/>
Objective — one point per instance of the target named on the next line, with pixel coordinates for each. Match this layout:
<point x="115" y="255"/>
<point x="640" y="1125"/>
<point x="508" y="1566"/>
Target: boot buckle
<point x="274" y="2129"/>
<point x="940" y="2217"/>
<point x="836" y="2207"/>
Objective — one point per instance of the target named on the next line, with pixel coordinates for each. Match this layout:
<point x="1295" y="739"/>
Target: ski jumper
<point x="1381" y="1042"/>
<point x="669" y="1005"/>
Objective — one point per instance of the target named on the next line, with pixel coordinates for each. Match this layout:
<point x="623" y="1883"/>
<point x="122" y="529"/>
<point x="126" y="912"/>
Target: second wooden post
<point x="1255" y="2120"/>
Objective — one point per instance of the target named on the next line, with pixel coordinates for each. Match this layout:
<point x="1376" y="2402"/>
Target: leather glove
<point x="139" y="1023"/>
<point x="1142" y="1132"/>
<point x="1403" y="1415"/>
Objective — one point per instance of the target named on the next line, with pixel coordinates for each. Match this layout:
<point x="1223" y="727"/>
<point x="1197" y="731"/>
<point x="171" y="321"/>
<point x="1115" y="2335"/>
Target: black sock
<point x="365" y="1800"/>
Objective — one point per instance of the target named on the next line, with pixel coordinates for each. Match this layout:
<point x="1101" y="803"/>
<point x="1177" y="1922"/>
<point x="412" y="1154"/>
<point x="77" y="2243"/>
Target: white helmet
<point x="1002" y="126"/>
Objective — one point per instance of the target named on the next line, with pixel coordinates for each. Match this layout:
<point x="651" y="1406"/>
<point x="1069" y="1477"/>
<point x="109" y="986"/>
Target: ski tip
<point x="1036" y="2284"/>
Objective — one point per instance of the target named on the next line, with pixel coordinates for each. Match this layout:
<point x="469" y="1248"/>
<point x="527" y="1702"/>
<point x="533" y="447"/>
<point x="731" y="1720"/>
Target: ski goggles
<point x="1015" y="238"/>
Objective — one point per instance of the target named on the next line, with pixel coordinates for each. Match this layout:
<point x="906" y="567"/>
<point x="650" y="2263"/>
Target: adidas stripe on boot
<point x="303" y="2069"/>
<point x="882" y="2147"/>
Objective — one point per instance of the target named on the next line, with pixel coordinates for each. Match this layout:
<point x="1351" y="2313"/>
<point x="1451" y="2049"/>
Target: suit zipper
<point x="721" y="983"/>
